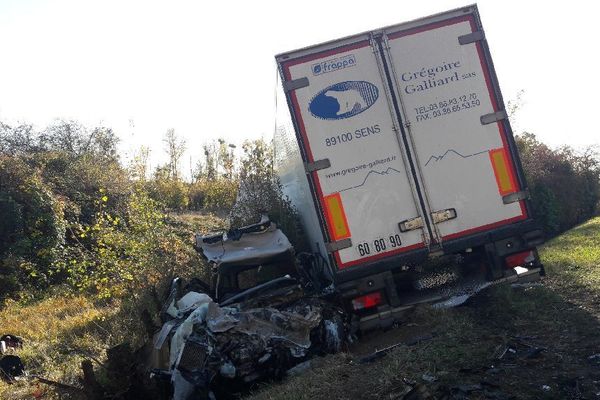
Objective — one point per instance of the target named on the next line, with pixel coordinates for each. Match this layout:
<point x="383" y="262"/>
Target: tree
<point x="226" y="158"/>
<point x="68" y="137"/>
<point x="175" y="148"/>
<point x="210" y="161"/>
<point x="20" y="139"/>
<point x="564" y="184"/>
<point x="138" y="167"/>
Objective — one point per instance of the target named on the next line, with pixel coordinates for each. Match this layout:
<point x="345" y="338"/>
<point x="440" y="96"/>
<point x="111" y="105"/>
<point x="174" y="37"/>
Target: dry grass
<point x="200" y="222"/>
<point x="57" y="332"/>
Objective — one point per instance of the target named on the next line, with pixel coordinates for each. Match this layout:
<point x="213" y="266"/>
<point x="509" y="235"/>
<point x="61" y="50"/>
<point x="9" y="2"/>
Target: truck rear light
<point x="521" y="259"/>
<point x="367" y="301"/>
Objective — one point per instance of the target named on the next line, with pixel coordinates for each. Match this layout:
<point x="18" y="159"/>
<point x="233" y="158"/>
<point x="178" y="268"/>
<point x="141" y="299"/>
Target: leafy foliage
<point x="564" y="184"/>
<point x="33" y="227"/>
<point x="173" y="193"/>
<point x="213" y="195"/>
<point x="260" y="193"/>
<point x="120" y="256"/>
<point x="72" y="214"/>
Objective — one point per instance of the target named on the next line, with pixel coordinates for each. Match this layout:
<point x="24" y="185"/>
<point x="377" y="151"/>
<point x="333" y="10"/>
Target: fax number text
<point x="446" y="107"/>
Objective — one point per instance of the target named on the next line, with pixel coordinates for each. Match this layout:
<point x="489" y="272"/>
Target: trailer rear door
<point x="349" y="137"/>
<point x="450" y="108"/>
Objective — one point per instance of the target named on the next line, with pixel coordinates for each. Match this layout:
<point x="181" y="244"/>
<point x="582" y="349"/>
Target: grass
<point x="58" y="332"/>
<point x="561" y="316"/>
<point x="573" y="259"/>
<point x="199" y="222"/>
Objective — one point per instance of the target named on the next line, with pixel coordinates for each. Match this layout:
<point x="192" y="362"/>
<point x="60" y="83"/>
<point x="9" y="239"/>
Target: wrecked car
<point x="257" y="317"/>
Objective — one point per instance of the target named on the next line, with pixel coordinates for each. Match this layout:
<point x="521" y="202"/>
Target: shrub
<point x="564" y="184"/>
<point x="217" y="194"/>
<point x="33" y="226"/>
<point x="118" y="257"/>
<point x="260" y="193"/>
<point x="173" y="193"/>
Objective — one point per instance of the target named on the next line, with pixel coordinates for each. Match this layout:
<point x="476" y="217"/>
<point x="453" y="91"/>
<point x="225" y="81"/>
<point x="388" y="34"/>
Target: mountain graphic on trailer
<point x="450" y="152"/>
<point x="388" y="171"/>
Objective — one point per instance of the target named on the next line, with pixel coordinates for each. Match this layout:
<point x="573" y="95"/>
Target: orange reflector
<point x="504" y="177"/>
<point x="337" y="218"/>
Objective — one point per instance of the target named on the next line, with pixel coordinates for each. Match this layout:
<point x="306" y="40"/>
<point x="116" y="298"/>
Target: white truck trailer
<point x="400" y="158"/>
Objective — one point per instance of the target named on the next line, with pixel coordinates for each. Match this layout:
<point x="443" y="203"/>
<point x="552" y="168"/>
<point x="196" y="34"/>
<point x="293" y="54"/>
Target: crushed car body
<point x="255" y="320"/>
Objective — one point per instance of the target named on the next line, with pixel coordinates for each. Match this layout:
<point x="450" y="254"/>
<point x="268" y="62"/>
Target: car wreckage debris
<point x="380" y="353"/>
<point x="12" y="342"/>
<point x="11" y="367"/>
<point x="209" y="343"/>
<point x="261" y="314"/>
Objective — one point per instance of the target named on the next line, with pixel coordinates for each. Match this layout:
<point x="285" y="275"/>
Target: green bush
<point x="217" y="194"/>
<point x="126" y="256"/>
<point x="260" y="193"/>
<point x="564" y="184"/>
<point x="79" y="180"/>
<point x="33" y="226"/>
<point x="172" y="193"/>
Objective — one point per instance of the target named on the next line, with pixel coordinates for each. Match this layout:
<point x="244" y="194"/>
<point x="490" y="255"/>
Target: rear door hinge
<point x="471" y="37"/>
<point x="317" y="165"/>
<point x="338" y="245"/>
<point x="493" y="117"/>
<point x="517" y="196"/>
<point x="294" y="84"/>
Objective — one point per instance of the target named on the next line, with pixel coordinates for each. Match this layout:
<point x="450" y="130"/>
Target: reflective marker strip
<point x="504" y="177"/>
<point x="338" y="224"/>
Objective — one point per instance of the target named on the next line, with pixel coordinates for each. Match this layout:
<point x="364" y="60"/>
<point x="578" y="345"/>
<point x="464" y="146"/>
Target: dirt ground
<point x="538" y="342"/>
<point x="491" y="348"/>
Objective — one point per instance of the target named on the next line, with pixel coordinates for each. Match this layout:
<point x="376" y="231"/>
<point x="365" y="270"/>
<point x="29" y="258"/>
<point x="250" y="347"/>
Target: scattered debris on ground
<point x="208" y="344"/>
<point x="10" y="342"/>
<point x="11" y="367"/>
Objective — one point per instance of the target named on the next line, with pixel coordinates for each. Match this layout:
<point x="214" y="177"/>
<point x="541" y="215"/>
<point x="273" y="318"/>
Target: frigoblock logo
<point x="343" y="100"/>
<point x="334" y="64"/>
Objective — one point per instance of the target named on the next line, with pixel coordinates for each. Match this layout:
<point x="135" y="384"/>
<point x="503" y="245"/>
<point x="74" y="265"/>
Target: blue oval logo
<point x="343" y="100"/>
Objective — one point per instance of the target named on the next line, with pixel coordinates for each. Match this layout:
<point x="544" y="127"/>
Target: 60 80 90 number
<point x="379" y="245"/>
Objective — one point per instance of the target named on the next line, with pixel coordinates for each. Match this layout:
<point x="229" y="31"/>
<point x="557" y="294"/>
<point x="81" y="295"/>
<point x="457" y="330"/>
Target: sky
<point x="207" y="69"/>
